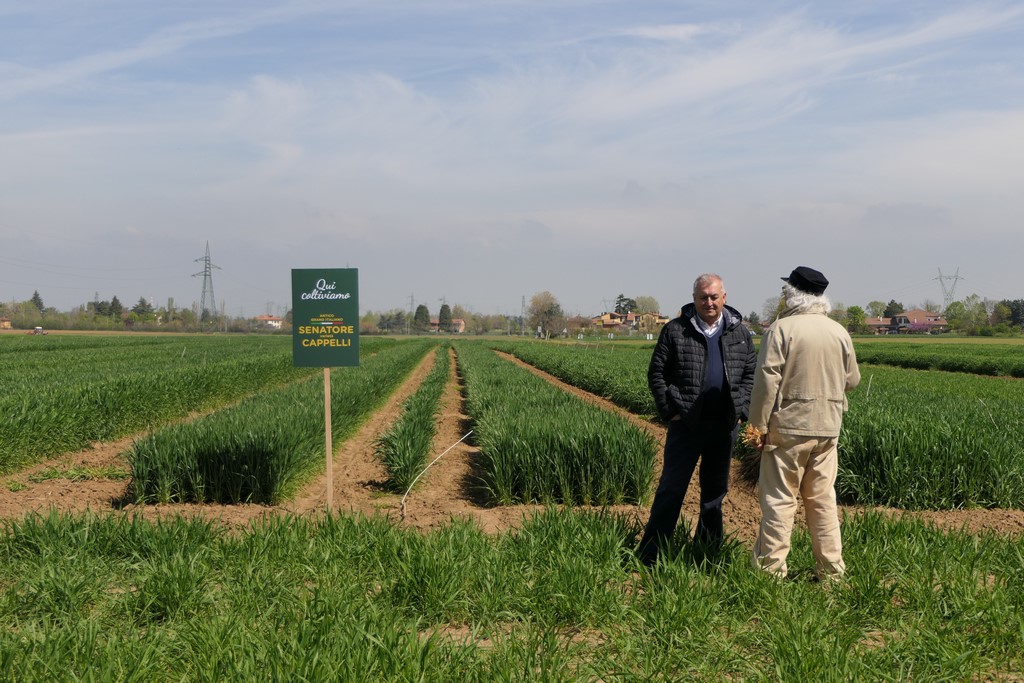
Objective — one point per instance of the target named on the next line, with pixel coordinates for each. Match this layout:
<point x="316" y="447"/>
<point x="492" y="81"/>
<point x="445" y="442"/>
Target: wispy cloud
<point x="684" y="33"/>
<point x="515" y="124"/>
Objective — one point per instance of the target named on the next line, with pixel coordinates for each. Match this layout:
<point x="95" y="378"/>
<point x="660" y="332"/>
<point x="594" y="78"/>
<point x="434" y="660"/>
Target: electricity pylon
<point x="207" y="302"/>
<point x="947" y="292"/>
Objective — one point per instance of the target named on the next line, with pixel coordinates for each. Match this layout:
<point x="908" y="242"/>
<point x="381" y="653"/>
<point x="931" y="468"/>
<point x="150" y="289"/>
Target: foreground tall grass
<point x="262" y="449"/>
<point x="561" y="599"/>
<point x="540" y="444"/>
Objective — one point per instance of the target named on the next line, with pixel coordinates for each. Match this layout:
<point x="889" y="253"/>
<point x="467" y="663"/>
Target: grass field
<point x="559" y="597"/>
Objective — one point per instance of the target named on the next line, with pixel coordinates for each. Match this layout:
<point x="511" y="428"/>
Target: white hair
<point x="706" y="278"/>
<point x="802" y="302"/>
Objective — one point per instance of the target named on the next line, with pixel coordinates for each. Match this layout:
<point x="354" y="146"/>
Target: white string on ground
<point x="401" y="507"/>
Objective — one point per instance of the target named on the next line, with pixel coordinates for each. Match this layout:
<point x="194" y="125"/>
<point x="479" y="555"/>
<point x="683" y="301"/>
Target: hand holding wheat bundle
<point x="753" y="437"/>
<point x="748" y="452"/>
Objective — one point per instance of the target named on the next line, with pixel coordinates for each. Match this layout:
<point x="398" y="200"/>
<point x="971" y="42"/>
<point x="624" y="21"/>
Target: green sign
<point x="325" y="317"/>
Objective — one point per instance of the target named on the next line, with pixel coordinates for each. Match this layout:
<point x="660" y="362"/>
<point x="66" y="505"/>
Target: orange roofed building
<point x="617" y="322"/>
<point x="910" y="322"/>
<point x="269" y="321"/>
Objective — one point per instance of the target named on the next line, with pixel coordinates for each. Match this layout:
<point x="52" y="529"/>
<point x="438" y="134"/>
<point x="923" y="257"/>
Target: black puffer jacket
<point x="678" y="365"/>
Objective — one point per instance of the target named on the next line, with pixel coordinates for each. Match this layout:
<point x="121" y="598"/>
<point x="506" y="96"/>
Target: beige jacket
<point x="804" y="369"/>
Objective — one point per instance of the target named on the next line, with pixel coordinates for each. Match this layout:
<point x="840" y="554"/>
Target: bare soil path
<point x="447" y="490"/>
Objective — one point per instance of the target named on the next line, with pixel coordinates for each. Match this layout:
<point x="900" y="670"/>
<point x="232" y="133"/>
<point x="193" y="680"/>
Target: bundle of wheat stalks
<point x="748" y="452"/>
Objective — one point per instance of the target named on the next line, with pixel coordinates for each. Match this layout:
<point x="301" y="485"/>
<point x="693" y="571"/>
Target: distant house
<point x="269" y="321"/>
<point x="614" y="322"/>
<point x="458" y="325"/>
<point x="5" y="323"/>
<point x="926" y="321"/>
<point x="916" y="321"/>
<point x="625" y="322"/>
<point x="652" y="322"/>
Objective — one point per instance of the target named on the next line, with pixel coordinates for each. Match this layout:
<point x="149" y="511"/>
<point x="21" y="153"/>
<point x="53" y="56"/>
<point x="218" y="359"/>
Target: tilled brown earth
<point x="447" y="490"/>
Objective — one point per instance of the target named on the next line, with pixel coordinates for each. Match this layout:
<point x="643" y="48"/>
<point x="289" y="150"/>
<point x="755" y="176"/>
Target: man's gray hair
<point x="803" y="302"/>
<point x="707" y="278"/>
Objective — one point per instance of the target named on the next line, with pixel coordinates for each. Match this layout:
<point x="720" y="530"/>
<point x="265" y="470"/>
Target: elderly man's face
<point x="709" y="300"/>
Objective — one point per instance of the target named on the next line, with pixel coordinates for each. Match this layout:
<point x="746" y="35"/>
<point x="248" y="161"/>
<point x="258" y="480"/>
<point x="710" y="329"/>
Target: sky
<point x="477" y="153"/>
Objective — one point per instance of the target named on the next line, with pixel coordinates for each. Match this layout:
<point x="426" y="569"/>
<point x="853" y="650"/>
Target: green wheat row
<point x="405" y="446"/>
<point x="918" y="439"/>
<point x="70" y="393"/>
<point x="977" y="359"/>
<point x="912" y="439"/>
<point x="615" y="372"/>
<point x="262" y="449"/>
<point x="540" y="444"/>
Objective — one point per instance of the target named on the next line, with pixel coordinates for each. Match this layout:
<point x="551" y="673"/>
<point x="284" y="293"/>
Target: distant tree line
<point x="544" y="317"/>
<point x="111" y="314"/>
<point x="972" y="316"/>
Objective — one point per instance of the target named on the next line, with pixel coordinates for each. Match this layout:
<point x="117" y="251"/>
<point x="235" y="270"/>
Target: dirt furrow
<point x="449" y="489"/>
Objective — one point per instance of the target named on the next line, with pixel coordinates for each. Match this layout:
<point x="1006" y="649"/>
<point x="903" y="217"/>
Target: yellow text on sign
<point x="326" y="342"/>
<point x="327" y="329"/>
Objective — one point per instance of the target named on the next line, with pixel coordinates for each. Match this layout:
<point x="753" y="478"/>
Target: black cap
<point x="807" y="280"/>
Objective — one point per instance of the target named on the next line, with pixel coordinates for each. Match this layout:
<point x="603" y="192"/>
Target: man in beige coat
<point x="805" y="367"/>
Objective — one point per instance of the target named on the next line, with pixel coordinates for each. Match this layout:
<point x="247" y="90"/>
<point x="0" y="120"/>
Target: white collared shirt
<point x="712" y="329"/>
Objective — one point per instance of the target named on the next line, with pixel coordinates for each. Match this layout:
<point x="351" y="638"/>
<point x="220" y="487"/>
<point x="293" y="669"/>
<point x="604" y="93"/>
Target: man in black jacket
<point x="701" y="374"/>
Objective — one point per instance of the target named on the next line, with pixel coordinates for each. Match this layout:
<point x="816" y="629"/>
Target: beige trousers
<point x="792" y="464"/>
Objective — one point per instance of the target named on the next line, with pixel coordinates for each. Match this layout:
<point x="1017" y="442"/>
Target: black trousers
<point x="683" y="448"/>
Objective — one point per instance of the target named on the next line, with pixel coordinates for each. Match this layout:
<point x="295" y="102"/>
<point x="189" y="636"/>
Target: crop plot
<point x="940" y="440"/>
<point x="539" y="444"/>
<point x="264" y="448"/>
<point x="404" y="448"/>
<point x="72" y="391"/>
<point x="553" y="590"/>
<point x="913" y="438"/>
<point x="615" y="372"/>
<point x="976" y="359"/>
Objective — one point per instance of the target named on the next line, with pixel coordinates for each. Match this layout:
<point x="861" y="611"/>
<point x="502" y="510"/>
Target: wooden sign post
<point x="325" y="333"/>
